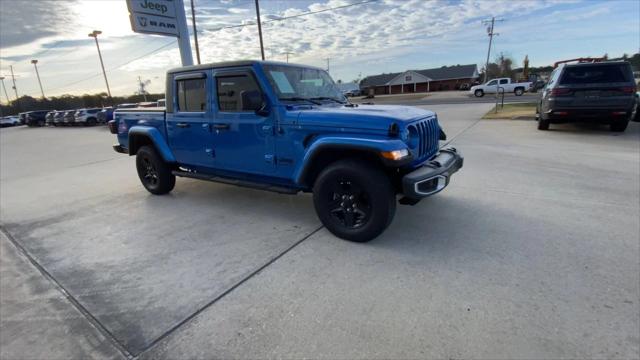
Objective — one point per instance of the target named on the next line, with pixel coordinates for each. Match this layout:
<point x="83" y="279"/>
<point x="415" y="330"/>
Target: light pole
<point x="35" y="65"/>
<point x="13" y="78"/>
<point x="259" y="29"/>
<point x="94" y="35"/>
<point x="5" y="89"/>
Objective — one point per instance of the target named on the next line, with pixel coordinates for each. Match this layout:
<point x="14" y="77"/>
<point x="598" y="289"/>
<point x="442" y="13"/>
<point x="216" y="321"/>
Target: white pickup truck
<point x="492" y="86"/>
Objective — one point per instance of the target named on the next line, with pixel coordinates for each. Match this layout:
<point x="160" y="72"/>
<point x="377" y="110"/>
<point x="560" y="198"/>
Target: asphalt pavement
<point x="531" y="252"/>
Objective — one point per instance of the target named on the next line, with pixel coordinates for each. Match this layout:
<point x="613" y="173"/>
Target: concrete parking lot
<point x="532" y="252"/>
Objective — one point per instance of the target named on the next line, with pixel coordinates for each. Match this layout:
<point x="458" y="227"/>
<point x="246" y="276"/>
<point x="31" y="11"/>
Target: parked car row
<point x="7" y="121"/>
<point x="84" y="117"/>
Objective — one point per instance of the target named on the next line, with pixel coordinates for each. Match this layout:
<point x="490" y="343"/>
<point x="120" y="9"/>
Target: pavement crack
<point x="74" y="302"/>
<point x="225" y="293"/>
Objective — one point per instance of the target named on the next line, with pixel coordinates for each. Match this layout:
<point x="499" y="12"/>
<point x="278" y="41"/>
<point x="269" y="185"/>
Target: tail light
<point x="560" y="92"/>
<point x="628" y="89"/>
<point x="113" y="127"/>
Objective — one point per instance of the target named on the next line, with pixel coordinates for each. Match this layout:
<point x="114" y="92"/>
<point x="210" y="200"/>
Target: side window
<point x="492" y="82"/>
<point x="192" y="95"/>
<point x="238" y="93"/>
<point x="504" y="81"/>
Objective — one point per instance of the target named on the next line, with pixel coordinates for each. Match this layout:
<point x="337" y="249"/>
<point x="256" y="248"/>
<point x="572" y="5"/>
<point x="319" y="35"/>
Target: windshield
<point x="301" y="83"/>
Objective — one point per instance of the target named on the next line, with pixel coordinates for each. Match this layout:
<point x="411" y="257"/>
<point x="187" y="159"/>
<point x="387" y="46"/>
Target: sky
<point x="364" y="39"/>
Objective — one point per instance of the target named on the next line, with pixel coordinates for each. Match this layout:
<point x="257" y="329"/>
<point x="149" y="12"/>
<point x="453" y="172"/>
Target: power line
<point x="113" y="68"/>
<point x="295" y="16"/>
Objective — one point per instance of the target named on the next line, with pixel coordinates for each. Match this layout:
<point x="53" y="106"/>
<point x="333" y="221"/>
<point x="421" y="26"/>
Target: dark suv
<point x="36" y="118"/>
<point x="601" y="92"/>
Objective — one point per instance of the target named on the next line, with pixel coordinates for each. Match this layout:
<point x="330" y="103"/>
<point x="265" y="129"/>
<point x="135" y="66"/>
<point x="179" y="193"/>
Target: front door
<point x="243" y="140"/>
<point x="188" y="125"/>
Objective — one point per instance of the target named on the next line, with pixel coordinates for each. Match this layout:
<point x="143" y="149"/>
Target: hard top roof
<point x="236" y="63"/>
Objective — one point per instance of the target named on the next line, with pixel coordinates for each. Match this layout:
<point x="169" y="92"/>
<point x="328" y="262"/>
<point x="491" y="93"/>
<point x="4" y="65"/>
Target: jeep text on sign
<point x="152" y="7"/>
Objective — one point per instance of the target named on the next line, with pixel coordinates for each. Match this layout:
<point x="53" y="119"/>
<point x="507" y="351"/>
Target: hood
<point x="362" y="116"/>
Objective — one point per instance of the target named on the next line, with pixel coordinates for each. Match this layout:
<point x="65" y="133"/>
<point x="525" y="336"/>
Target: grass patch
<point x="512" y="111"/>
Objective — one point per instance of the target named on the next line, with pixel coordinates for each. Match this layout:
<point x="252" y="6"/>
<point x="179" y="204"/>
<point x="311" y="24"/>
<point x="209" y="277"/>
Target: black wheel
<point x="619" y="126"/>
<point x="40" y="123"/>
<point x="635" y="113"/>
<point x="543" y="124"/>
<point x="91" y="122"/>
<point x="478" y="93"/>
<point x="153" y="172"/>
<point x="518" y="91"/>
<point x="354" y="201"/>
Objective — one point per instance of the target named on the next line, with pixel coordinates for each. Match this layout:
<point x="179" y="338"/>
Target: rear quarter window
<point x="594" y="74"/>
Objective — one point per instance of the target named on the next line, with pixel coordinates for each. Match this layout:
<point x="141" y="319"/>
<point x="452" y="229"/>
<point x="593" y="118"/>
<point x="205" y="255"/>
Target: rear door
<point x="188" y="125"/>
<point x="605" y="86"/>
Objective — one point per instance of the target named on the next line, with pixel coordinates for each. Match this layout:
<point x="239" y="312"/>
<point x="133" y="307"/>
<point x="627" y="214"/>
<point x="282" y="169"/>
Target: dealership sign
<point x="153" y="17"/>
<point x="162" y="17"/>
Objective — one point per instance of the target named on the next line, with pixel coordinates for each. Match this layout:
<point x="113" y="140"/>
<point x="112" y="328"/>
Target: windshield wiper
<point x="328" y="98"/>
<point x="301" y="99"/>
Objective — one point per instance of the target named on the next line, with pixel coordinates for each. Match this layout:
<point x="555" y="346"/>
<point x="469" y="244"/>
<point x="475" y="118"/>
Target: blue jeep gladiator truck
<point x="287" y="128"/>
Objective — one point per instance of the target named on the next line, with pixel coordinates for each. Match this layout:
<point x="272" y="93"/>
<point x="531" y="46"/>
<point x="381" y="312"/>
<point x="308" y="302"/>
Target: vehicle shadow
<point x="594" y="128"/>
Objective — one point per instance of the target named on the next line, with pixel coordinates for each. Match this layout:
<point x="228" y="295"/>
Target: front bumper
<point x="433" y="176"/>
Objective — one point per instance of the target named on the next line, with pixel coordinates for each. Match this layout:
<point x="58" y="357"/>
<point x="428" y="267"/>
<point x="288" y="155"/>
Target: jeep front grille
<point x="429" y="134"/>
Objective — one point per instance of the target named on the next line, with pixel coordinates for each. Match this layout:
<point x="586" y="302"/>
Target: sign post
<point x="162" y="17"/>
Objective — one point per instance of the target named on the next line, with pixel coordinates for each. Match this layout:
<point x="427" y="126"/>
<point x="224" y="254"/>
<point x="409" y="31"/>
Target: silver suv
<point x="87" y="117"/>
<point x="599" y="92"/>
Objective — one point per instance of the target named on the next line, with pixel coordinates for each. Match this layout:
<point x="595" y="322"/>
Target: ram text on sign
<point x="151" y="24"/>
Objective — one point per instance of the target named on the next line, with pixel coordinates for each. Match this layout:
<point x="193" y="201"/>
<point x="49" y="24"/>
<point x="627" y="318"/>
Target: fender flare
<point x="157" y="139"/>
<point x="373" y="145"/>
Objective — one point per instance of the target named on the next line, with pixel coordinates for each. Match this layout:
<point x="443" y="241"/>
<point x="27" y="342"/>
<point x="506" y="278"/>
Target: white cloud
<point x="381" y="36"/>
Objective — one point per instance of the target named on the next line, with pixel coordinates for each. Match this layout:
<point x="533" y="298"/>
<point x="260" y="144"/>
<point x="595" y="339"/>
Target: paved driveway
<point x="532" y="252"/>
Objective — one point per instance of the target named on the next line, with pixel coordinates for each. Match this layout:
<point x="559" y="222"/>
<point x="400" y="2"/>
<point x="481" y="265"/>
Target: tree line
<point x="70" y="102"/>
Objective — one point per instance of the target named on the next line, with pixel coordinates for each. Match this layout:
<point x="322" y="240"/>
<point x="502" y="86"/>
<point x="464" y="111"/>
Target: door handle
<point x="183" y="125"/>
<point x="221" y="126"/>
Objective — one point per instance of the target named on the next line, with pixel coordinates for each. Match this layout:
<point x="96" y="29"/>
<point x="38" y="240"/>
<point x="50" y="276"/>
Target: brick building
<point x="410" y="81"/>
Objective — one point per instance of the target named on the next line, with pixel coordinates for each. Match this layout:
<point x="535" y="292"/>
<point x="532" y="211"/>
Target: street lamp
<point x="94" y="35"/>
<point x="5" y="89"/>
<point x="35" y="65"/>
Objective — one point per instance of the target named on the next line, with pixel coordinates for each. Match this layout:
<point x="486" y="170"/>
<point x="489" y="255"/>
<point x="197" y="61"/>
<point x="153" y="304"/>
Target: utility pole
<point x="259" y="29"/>
<point x="94" y="35"/>
<point x="141" y="88"/>
<point x="491" y="34"/>
<point x="195" y="32"/>
<point x="13" y="78"/>
<point x="5" y="89"/>
<point x="35" y="65"/>
<point x="327" y="63"/>
<point x="288" y="53"/>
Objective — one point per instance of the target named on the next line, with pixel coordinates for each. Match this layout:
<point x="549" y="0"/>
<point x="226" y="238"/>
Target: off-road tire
<point x="373" y="196"/>
<point x="619" y="126"/>
<point x="543" y="124"/>
<point x="518" y="91"/>
<point x="154" y="173"/>
<point x="478" y="93"/>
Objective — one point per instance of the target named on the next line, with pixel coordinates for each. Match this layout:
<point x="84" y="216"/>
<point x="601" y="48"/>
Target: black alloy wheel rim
<point x="149" y="172"/>
<point x="349" y="204"/>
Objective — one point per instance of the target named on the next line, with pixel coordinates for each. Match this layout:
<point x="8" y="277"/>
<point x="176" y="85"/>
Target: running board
<point x="242" y="183"/>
